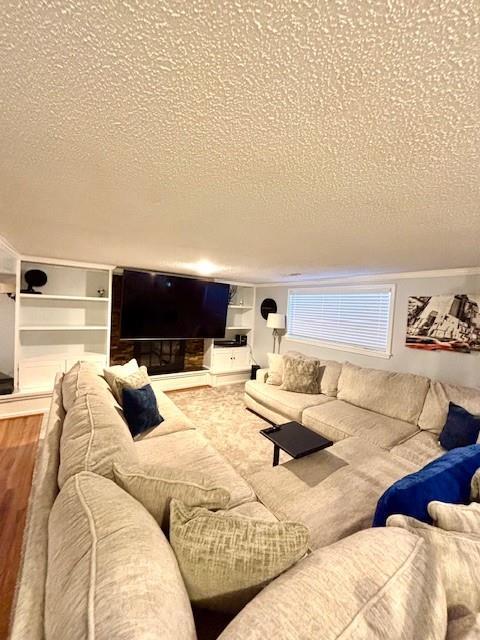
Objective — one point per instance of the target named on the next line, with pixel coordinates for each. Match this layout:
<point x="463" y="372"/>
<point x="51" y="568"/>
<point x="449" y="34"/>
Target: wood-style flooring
<point x="18" y="447"/>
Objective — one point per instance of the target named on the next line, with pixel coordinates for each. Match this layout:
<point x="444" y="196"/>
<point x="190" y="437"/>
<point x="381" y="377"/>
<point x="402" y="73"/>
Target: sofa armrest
<point x="262" y="375"/>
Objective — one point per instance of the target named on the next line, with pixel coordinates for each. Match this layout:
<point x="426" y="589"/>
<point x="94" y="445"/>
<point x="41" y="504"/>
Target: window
<point x="355" y="319"/>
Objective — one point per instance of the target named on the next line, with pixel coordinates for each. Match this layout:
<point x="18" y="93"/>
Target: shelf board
<point x="238" y="328"/>
<point x="239" y="306"/>
<point x="64" y="328"/>
<point x="35" y="296"/>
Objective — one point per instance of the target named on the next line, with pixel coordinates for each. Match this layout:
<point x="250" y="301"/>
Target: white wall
<point x="7" y="334"/>
<point x="8" y="265"/>
<point x="456" y="368"/>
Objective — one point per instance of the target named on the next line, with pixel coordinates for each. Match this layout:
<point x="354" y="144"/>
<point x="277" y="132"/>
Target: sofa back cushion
<point x="375" y="584"/>
<point x="435" y="410"/>
<point x="155" y="486"/>
<point x="94" y="436"/>
<point x="397" y="395"/>
<point x="83" y="378"/>
<point x="111" y="572"/>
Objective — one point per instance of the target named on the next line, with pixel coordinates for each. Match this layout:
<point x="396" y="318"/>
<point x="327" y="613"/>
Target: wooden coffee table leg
<point x="276" y="454"/>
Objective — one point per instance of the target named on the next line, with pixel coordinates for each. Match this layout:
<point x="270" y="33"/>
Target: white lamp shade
<point x="276" y="321"/>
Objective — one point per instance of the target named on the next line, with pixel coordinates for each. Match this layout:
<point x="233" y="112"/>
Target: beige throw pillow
<point x="331" y="374"/>
<point x="456" y="517"/>
<point x="475" y="487"/>
<point x="155" y="487"/>
<point x="225" y="560"/>
<point x="301" y="374"/>
<point x="457" y="555"/>
<point x="134" y="380"/>
<point x="275" y="369"/>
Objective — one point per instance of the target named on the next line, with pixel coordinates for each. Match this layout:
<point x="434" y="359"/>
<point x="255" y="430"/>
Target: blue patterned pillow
<point x="461" y="428"/>
<point x="446" y="479"/>
<point x="140" y="409"/>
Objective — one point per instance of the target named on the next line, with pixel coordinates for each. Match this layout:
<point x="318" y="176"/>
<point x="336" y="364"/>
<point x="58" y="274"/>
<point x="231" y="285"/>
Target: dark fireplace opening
<point x="161" y="356"/>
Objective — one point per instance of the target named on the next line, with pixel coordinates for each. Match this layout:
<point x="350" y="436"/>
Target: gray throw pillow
<point x="301" y="374"/>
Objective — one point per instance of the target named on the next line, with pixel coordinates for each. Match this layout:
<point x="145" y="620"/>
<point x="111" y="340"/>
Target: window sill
<point x="340" y="347"/>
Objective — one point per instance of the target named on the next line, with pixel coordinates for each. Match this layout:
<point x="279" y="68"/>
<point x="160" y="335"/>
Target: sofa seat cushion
<point x="339" y="419"/>
<point x="255" y="510"/>
<point x="289" y="403"/>
<point x="421" y="448"/>
<point x="375" y="585"/>
<point x="111" y="572"/>
<point x="173" y="418"/>
<point x="435" y="410"/>
<point x="94" y="436"/>
<point x="192" y="451"/>
<point x="397" y="395"/>
<point x="331" y="496"/>
<point x="84" y="378"/>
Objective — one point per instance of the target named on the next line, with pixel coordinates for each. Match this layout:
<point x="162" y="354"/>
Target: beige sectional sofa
<point x="384" y="425"/>
<point x="96" y="565"/>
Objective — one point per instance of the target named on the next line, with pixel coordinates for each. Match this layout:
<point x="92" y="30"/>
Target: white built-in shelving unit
<point x="232" y="364"/>
<point x="68" y="321"/>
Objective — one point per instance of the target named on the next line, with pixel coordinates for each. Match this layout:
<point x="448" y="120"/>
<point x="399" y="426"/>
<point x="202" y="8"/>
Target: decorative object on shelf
<point x="268" y="306"/>
<point x="34" y="278"/>
<point x="444" y="323"/>
<point x="276" y="321"/>
<point x="232" y="293"/>
<point x="101" y="293"/>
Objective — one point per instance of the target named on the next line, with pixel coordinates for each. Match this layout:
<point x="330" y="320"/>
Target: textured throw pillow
<point x="140" y="409"/>
<point x="226" y="560"/>
<point x="458" y="557"/>
<point x="456" y="517"/>
<point x="134" y="380"/>
<point x="446" y="479"/>
<point x="275" y="368"/>
<point x="475" y="486"/>
<point x="155" y="487"/>
<point x="301" y="374"/>
<point x="461" y="428"/>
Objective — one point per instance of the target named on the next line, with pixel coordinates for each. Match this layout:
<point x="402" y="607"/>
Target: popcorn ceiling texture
<point x="268" y="136"/>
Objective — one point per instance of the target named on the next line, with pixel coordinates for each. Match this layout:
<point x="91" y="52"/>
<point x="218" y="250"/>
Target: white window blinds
<point x="354" y="318"/>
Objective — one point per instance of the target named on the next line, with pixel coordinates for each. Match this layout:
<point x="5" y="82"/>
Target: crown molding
<point x="377" y="277"/>
<point x="10" y="248"/>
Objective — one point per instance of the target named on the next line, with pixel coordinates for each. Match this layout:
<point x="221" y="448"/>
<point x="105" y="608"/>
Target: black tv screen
<point x="157" y="306"/>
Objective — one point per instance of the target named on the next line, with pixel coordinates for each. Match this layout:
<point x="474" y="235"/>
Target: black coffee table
<point x="294" y="439"/>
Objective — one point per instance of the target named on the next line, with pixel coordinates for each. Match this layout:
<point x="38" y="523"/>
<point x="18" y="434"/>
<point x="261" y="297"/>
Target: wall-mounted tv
<point x="156" y="306"/>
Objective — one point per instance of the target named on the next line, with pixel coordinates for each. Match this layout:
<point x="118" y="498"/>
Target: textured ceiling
<point x="269" y="137"/>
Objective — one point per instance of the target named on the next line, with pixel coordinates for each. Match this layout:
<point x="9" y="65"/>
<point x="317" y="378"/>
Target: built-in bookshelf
<point x="68" y="320"/>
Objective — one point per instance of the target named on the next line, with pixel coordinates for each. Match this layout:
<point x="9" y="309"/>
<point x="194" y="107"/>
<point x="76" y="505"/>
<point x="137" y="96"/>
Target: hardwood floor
<point x="18" y="447"/>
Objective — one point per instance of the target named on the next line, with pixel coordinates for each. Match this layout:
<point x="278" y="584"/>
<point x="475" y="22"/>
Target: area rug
<point x="221" y="415"/>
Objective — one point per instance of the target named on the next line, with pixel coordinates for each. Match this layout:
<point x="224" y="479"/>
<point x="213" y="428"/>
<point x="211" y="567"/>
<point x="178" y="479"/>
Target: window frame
<point x="390" y="288"/>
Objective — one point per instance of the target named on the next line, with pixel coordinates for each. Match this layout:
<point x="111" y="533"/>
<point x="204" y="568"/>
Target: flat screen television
<point x="162" y="307"/>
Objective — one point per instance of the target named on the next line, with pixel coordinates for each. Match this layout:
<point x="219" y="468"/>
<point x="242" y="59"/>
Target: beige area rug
<point x="221" y="415"/>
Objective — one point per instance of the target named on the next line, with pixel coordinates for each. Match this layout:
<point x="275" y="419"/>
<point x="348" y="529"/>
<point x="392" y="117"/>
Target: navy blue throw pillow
<point x="461" y="428"/>
<point x="446" y="479"/>
<point x="140" y="409"/>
